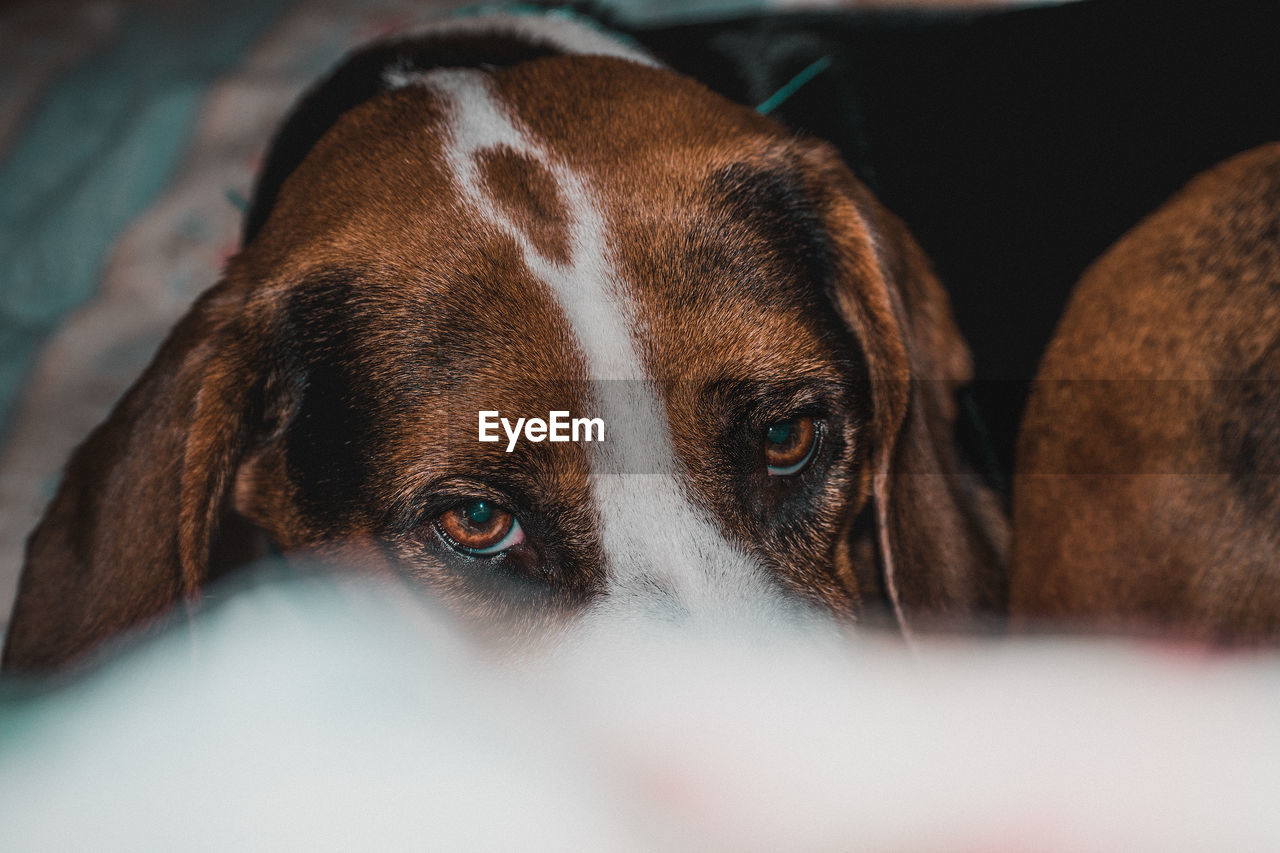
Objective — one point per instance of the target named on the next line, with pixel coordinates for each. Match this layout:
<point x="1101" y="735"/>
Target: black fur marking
<point x="773" y="204"/>
<point x="1248" y="430"/>
<point x="328" y="445"/>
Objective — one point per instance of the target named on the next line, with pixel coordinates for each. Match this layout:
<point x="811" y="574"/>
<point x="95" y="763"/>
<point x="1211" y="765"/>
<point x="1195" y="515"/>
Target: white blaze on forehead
<point x="555" y="29"/>
<point x="665" y="556"/>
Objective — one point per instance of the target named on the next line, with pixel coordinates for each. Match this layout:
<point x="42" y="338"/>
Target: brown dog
<point x="1147" y="495"/>
<point x="513" y="223"/>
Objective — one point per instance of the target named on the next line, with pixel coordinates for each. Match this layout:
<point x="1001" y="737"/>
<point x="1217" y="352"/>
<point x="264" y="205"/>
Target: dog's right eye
<point x="480" y="528"/>
<point x="789" y="446"/>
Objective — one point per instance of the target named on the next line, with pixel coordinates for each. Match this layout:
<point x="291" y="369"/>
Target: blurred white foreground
<point x="326" y="715"/>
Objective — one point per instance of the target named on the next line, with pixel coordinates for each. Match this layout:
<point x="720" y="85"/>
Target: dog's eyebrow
<point x="773" y="397"/>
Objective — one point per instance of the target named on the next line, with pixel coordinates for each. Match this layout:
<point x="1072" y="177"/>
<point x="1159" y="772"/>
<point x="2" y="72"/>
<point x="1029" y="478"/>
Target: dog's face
<point x="476" y="242"/>
<point x="766" y="352"/>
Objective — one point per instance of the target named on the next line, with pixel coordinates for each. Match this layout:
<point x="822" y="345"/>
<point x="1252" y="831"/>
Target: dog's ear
<point x="941" y="535"/>
<point x="130" y="530"/>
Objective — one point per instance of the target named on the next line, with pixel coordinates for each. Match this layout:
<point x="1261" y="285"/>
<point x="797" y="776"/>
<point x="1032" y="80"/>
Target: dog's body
<point x="524" y="216"/>
<point x="1148" y="491"/>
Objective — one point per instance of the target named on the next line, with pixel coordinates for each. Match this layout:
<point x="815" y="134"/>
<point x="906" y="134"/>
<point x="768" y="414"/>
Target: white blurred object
<point x="326" y="715"/>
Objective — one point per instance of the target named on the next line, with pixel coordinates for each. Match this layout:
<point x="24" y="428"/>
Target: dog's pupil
<point x="779" y="433"/>
<point x="478" y="512"/>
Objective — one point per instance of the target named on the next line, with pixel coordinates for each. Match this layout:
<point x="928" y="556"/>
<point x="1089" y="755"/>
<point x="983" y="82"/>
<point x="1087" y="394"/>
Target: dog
<point x="1148" y="482"/>
<point x="525" y="216"/>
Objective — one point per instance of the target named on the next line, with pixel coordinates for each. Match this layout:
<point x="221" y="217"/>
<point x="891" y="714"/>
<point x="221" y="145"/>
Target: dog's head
<point x="771" y="361"/>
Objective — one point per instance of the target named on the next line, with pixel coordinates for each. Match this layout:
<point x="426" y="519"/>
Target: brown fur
<point x="1146" y="495"/>
<point x="326" y="390"/>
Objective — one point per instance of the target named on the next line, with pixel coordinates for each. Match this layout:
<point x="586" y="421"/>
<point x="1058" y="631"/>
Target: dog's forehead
<point x="648" y="129"/>
<point x="456" y="169"/>
<point x="385" y="179"/>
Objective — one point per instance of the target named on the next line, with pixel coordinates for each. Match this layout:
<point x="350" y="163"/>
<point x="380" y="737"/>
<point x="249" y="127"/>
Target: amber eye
<point x="478" y="528"/>
<point x="789" y="446"/>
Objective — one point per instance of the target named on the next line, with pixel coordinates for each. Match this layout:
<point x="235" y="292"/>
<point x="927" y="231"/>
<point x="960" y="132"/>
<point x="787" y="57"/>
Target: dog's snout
<point x="666" y="561"/>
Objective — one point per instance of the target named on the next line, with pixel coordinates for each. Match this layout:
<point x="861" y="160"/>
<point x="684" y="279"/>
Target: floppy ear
<point x="941" y="533"/>
<point x="130" y="529"/>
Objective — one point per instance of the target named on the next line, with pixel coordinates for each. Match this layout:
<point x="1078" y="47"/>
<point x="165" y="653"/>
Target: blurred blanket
<point x="331" y="715"/>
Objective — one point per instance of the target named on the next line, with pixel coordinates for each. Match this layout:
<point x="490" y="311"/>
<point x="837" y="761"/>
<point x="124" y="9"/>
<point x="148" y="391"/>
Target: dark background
<point x="1017" y="145"/>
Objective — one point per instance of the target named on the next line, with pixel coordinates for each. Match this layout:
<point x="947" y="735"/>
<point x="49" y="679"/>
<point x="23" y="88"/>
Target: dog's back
<point x="1147" y="495"/>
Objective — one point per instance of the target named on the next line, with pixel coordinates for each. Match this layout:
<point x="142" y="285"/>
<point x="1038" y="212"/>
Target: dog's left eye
<point x="789" y="446"/>
<point x="479" y="528"/>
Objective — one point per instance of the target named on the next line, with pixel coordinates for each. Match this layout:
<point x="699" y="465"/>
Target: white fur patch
<point x="665" y="555"/>
<point x="566" y="34"/>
